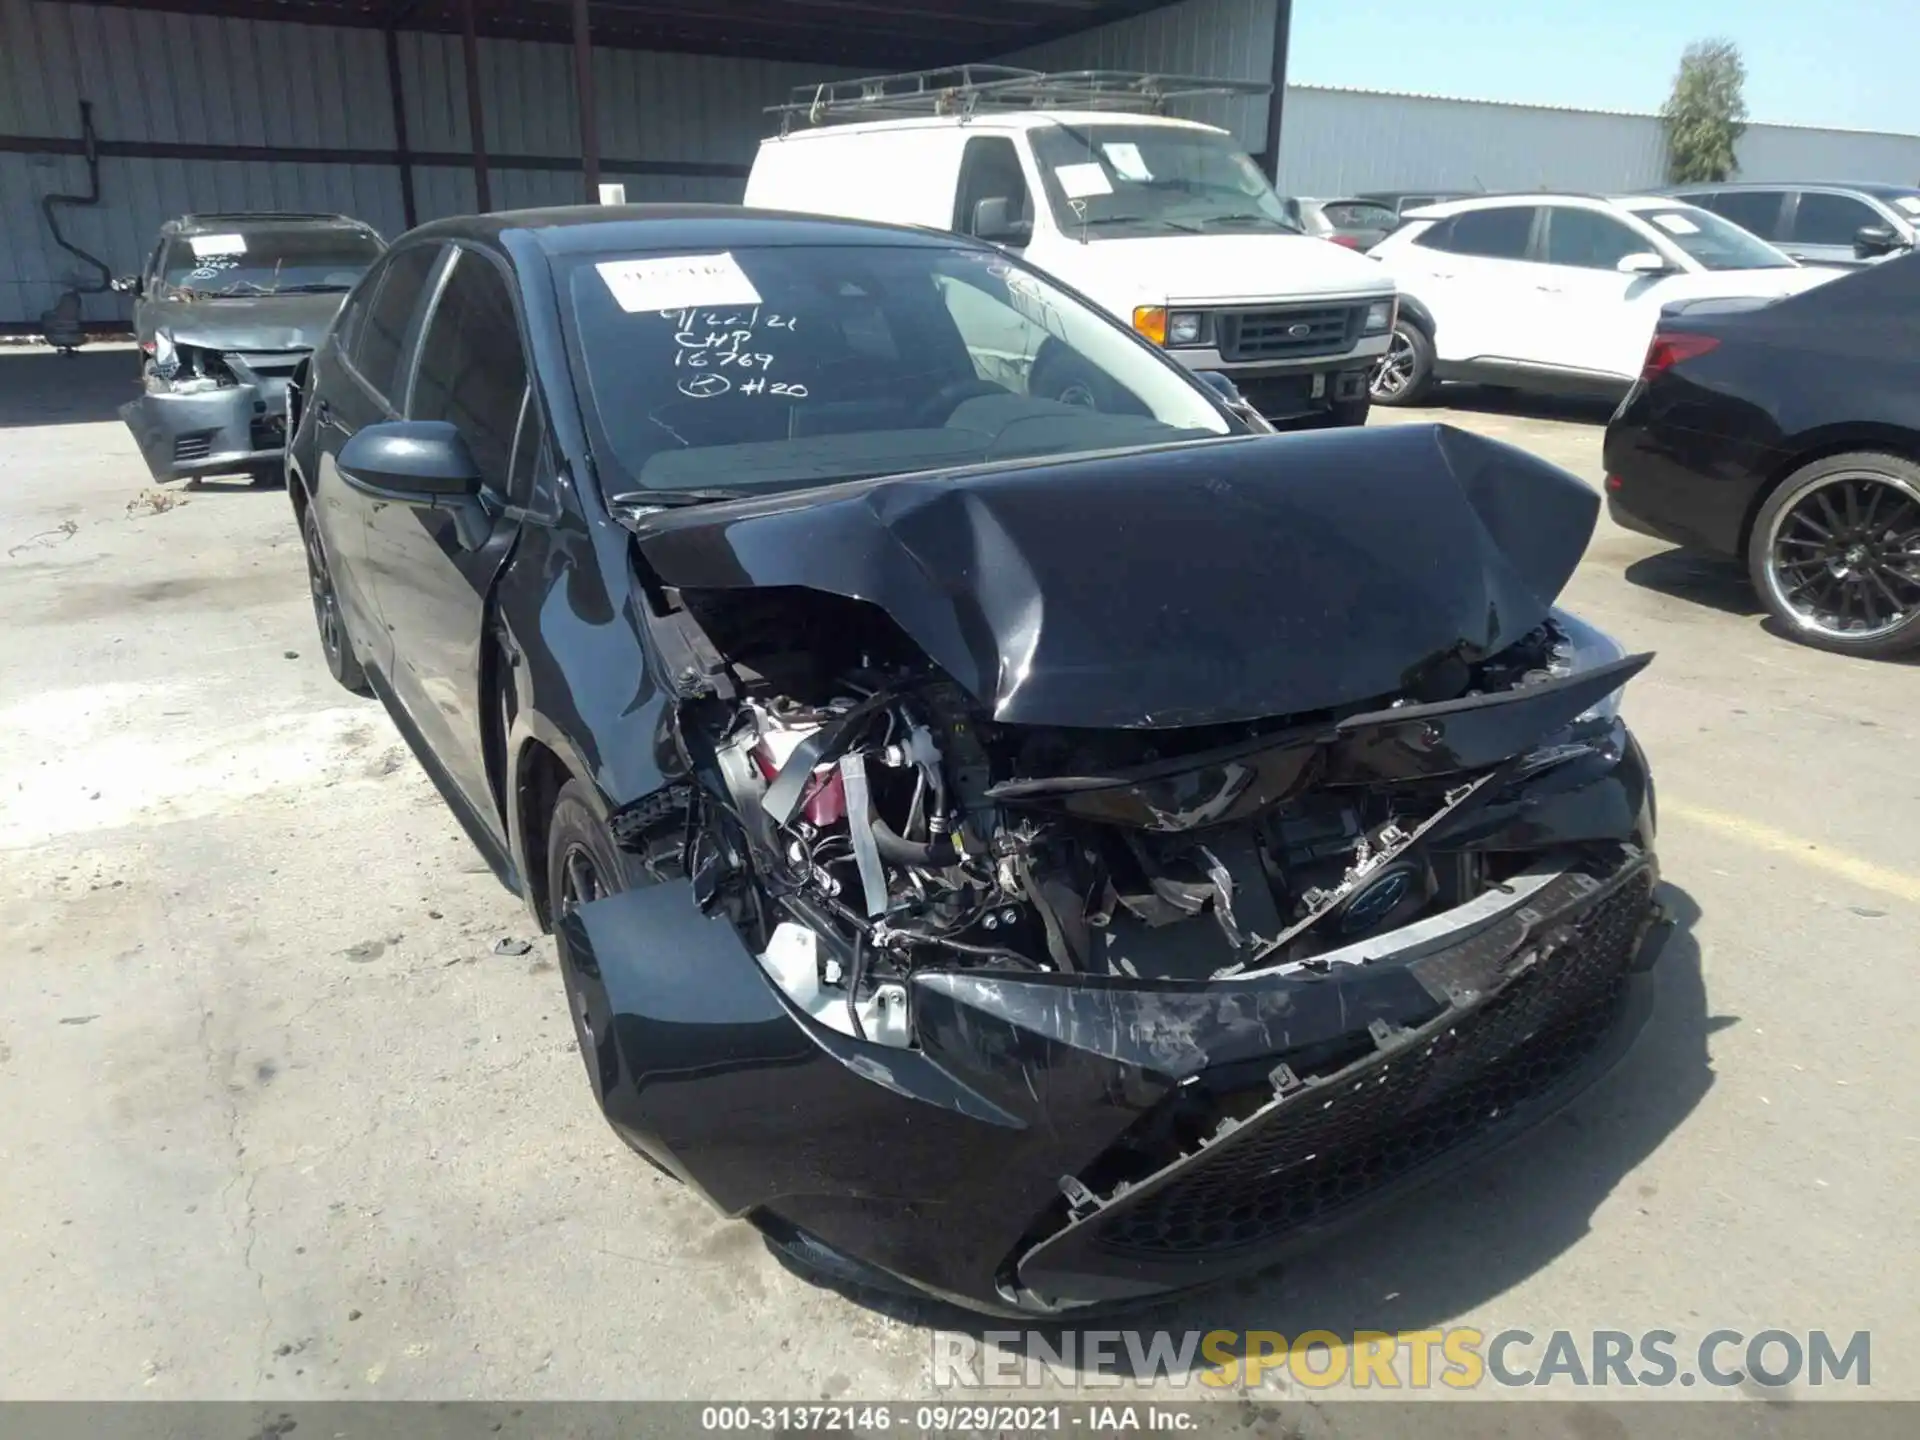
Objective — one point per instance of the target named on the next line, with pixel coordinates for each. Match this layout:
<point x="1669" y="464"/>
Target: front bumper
<point x="1362" y="355"/>
<point x="210" y="432"/>
<point x="1058" y="1142"/>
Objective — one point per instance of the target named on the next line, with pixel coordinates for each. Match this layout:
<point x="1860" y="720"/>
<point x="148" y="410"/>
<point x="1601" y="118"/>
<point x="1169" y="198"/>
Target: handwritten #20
<point x="723" y="345"/>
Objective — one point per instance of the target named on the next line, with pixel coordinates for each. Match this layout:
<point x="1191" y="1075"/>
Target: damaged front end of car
<point x="1092" y="878"/>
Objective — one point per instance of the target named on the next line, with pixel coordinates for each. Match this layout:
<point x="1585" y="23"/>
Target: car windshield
<point x="250" y="261"/>
<point x="768" y="368"/>
<point x="1111" y="180"/>
<point x="1359" y="215"/>
<point x="1713" y="243"/>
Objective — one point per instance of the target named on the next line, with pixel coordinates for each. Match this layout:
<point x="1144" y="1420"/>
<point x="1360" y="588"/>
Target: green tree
<point x="1706" y="115"/>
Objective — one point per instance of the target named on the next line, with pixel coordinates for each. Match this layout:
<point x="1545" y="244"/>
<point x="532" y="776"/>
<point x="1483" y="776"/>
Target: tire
<point x="583" y="864"/>
<point x="1343" y="413"/>
<point x="329" y="620"/>
<point x="1404" y="375"/>
<point x="1835" y="554"/>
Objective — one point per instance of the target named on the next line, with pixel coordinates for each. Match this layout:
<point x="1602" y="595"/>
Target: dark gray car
<point x="225" y="309"/>
<point x="1819" y="224"/>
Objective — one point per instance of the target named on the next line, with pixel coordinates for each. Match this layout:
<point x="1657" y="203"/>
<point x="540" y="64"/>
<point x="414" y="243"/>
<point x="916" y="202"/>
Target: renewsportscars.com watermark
<point x="1460" y="1358"/>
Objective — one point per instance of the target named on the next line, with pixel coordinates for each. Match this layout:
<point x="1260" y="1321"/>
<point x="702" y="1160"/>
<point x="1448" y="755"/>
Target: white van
<point x="1166" y="223"/>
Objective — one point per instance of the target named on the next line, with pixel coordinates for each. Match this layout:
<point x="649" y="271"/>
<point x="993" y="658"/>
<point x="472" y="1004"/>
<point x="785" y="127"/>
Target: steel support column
<point x="1276" y="102"/>
<point x="583" y="87"/>
<point x="403" y="160"/>
<point x="476" y="115"/>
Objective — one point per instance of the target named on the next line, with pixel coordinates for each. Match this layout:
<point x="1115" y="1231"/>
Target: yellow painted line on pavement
<point x="1761" y="836"/>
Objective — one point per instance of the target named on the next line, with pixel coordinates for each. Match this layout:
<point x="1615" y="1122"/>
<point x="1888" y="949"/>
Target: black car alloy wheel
<point x="1841" y="557"/>
<point x="331" y="625"/>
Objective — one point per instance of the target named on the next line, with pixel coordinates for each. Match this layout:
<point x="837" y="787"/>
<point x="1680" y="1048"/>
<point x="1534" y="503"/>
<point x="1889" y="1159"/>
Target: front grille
<point x="187" y="448"/>
<point x="1298" y="330"/>
<point x="1330" y="1147"/>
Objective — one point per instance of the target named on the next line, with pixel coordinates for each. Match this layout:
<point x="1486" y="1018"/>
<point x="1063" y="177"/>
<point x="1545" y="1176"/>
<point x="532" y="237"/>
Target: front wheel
<point x="1835" y="554"/>
<point x="336" y="647"/>
<point x="583" y="865"/>
<point x="1404" y="375"/>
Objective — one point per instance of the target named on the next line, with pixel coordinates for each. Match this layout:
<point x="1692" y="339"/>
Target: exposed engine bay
<point x="861" y="818"/>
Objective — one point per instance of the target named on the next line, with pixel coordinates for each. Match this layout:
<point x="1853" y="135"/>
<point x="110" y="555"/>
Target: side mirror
<point x="412" y="462"/>
<point x="1642" y="262"/>
<point x="126" y="284"/>
<point x="993" y="222"/>
<point x="1870" y="240"/>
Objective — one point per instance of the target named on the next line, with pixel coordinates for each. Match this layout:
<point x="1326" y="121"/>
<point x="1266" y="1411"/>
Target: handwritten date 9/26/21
<point x="715" y="341"/>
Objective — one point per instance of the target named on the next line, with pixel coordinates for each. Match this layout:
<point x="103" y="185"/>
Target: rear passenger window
<point x="471" y="370"/>
<point x="1755" y="211"/>
<point x="1824" y="219"/>
<point x="1500" y="233"/>
<point x="379" y="341"/>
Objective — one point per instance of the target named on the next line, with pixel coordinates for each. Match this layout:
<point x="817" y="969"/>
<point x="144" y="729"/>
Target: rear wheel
<point x="336" y="647"/>
<point x="1404" y="375"/>
<point x="1835" y="554"/>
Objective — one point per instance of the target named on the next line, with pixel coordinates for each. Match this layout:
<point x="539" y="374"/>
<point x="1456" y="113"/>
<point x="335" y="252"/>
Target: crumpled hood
<point x="1188" y="585"/>
<point x="248" y="322"/>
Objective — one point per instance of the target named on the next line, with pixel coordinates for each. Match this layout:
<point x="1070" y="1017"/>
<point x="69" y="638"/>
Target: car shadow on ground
<point x="1446" y="1251"/>
<point x="1711" y="580"/>
<point x="1522" y="404"/>
<point x="44" y="387"/>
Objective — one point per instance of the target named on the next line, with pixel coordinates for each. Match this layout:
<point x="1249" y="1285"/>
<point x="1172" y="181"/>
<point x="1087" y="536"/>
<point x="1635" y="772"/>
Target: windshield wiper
<point x="1100" y="220"/>
<point x="1243" y="217"/>
<point x="643" y="502"/>
<point x="318" y="288"/>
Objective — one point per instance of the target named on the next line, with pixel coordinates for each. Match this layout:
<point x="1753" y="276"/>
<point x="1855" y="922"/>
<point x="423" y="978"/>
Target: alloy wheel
<point x="580" y="881"/>
<point x="1843" y="560"/>
<point x="326" y="605"/>
<point x="1393" y="375"/>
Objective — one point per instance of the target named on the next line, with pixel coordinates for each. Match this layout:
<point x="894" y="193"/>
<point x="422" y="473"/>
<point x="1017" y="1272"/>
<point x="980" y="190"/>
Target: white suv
<point x="1557" y="292"/>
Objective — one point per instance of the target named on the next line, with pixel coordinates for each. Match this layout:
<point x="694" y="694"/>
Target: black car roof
<point x="590" y="229"/>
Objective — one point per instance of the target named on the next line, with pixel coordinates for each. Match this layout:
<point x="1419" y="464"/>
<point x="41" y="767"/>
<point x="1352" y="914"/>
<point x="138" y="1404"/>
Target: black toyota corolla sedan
<point x="1037" y="855"/>
<point x="1786" y="434"/>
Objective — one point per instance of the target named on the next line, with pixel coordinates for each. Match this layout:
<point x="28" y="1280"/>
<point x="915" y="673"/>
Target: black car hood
<point x="247" y="322"/>
<point x="1186" y="585"/>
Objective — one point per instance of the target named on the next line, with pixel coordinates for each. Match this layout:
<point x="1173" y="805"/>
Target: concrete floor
<point x="282" y="1123"/>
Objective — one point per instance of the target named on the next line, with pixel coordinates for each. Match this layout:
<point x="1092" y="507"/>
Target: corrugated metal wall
<point x="1231" y="39"/>
<point x="199" y="80"/>
<point x="195" y="80"/>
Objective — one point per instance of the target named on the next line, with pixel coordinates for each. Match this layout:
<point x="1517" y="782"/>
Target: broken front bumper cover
<point x="210" y="432"/>
<point x="975" y="1168"/>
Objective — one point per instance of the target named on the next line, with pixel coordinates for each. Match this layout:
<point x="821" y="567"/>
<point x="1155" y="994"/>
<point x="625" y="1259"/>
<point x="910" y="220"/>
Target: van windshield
<point x="1106" y="180"/>
<point x="768" y="368"/>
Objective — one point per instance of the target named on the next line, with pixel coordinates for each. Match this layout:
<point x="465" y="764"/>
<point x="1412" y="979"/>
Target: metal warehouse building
<point x="399" y="111"/>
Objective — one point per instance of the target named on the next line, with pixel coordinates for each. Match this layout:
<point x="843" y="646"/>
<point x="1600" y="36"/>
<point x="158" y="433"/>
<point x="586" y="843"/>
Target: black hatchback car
<point x="1034" y="854"/>
<point x="1786" y="434"/>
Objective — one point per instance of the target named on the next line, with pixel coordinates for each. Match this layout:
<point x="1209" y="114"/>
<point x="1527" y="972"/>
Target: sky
<point x="1845" y="63"/>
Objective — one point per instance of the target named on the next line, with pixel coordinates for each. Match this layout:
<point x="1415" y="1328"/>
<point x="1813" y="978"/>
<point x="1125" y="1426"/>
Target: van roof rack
<point x="965" y="90"/>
